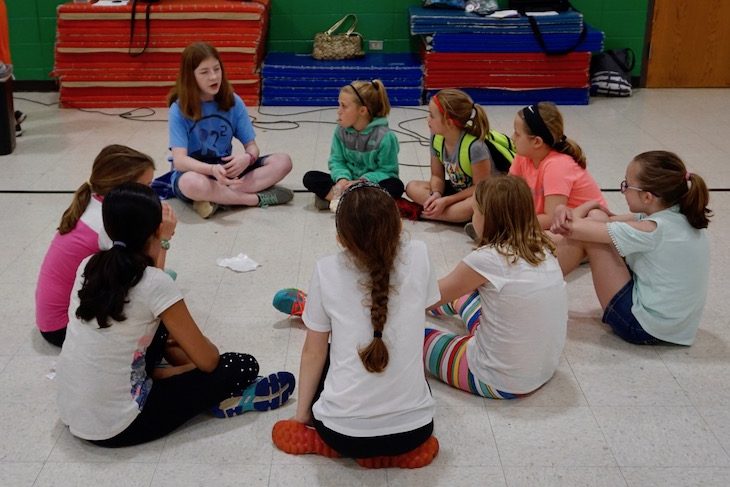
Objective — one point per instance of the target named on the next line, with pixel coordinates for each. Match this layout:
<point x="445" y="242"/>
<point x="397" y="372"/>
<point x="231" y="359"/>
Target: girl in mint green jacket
<point x="363" y="146"/>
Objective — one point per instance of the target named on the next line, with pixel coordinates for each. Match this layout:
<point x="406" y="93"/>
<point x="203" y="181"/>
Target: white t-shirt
<point x="356" y="402"/>
<point x="518" y="343"/>
<point x="102" y="383"/>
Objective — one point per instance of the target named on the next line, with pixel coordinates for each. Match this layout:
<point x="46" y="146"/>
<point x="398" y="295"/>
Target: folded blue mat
<point x="368" y="67"/>
<point x="429" y="21"/>
<point x="559" y="96"/>
<point x="490" y="42"/>
<point x="300" y="80"/>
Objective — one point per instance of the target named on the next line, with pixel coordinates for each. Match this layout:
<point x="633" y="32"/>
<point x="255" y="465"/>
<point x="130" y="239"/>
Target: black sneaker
<point x="18" y="130"/>
<point x="20" y="117"/>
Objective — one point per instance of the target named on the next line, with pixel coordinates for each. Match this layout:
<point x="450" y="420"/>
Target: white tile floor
<point x="613" y="414"/>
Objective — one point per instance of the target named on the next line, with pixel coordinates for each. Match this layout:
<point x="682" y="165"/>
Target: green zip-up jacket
<point x="370" y="154"/>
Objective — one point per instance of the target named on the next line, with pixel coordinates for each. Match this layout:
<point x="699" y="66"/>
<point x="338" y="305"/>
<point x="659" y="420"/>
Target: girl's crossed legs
<point x="444" y="354"/>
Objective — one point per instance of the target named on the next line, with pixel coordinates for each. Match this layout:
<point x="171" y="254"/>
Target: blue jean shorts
<point x="622" y="321"/>
<point x="175" y="179"/>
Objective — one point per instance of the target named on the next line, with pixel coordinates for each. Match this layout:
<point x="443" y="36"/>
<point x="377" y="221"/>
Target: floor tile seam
<point x="712" y="431"/>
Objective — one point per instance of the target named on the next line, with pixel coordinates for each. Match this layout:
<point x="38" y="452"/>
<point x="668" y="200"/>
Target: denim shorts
<point x="622" y="321"/>
<point x="175" y="179"/>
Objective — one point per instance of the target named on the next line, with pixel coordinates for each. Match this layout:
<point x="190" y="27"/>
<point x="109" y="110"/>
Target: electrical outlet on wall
<point x="375" y="45"/>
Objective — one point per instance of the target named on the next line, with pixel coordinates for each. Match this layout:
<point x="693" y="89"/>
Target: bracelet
<point x="165" y="244"/>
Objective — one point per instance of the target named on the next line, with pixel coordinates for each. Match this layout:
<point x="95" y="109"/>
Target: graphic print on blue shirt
<point x="210" y="139"/>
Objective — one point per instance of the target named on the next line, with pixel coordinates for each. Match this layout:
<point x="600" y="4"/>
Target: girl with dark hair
<point x="110" y="388"/>
<point x="365" y="394"/>
<point x="516" y="319"/>
<point x="205" y="115"/>
<point x="363" y="146"/>
<point x="650" y="267"/>
<point x="553" y="165"/>
<point x="81" y="234"/>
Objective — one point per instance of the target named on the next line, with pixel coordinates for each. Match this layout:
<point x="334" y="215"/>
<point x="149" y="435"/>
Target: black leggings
<point x="368" y="446"/>
<point x="320" y="183"/>
<point x="175" y="400"/>
<point x="55" y="337"/>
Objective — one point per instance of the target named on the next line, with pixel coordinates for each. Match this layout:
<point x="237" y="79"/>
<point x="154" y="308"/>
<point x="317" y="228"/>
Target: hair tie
<point x="536" y="124"/>
<point x="375" y="85"/>
<point x="119" y="243"/>
<point x="687" y="175"/>
<point x="377" y="334"/>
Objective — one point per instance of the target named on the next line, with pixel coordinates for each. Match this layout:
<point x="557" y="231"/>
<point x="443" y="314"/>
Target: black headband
<point x="362" y="102"/>
<point x="537" y="125"/>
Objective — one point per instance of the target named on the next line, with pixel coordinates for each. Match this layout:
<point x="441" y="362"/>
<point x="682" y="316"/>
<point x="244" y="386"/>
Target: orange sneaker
<point x="296" y="438"/>
<point x="420" y="457"/>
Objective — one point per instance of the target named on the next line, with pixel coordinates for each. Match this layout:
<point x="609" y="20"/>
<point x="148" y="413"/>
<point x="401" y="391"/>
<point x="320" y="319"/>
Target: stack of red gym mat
<point x="95" y="68"/>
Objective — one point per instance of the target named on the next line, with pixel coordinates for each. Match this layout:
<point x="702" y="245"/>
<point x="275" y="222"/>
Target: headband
<point x="362" y="183"/>
<point x="119" y="243"/>
<point x="537" y="125"/>
<point x="443" y="112"/>
<point x="362" y="102"/>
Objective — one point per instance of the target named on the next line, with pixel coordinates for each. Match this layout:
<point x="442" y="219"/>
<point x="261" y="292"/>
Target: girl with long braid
<point x="365" y="394"/>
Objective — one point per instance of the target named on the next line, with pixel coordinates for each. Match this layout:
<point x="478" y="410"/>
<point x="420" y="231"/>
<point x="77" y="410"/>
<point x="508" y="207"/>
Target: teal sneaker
<point x="290" y="301"/>
<point x="264" y="394"/>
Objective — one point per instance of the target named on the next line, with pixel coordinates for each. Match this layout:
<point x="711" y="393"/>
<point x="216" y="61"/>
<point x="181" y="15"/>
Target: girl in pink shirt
<point x="81" y="234"/>
<point x="553" y="165"/>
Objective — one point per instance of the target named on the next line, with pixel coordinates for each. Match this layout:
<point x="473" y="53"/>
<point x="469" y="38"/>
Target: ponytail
<point x="73" y="213"/>
<point x="131" y="214"/>
<point x="108" y="277"/>
<point x="694" y="202"/>
<point x="369" y="227"/>
<point x="115" y="164"/>
<point x="547" y="118"/>
<point x="663" y="174"/>
<point x="372" y="95"/>
<point x="458" y="106"/>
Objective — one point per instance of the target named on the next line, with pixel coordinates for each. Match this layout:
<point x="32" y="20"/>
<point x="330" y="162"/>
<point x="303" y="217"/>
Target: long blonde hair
<point x="510" y="223"/>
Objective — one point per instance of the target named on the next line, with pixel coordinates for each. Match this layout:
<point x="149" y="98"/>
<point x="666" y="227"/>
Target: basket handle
<point x="339" y="23"/>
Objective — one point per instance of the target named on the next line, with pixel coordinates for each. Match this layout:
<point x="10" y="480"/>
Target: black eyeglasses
<point x="624" y="186"/>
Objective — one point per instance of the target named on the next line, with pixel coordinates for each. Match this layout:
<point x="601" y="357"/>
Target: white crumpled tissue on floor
<point x="239" y="263"/>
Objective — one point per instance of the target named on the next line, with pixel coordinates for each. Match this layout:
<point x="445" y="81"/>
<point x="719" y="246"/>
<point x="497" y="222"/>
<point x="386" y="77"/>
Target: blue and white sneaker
<point x="264" y="394"/>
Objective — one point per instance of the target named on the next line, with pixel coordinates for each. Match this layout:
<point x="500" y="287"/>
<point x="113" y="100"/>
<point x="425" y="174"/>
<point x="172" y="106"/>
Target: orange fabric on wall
<point x="4" y="34"/>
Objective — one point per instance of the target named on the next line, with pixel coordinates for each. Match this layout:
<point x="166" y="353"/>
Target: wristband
<point x="165" y="244"/>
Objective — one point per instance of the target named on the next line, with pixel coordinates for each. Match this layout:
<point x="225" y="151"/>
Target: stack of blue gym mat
<point x="499" y="60"/>
<point x="300" y="80"/>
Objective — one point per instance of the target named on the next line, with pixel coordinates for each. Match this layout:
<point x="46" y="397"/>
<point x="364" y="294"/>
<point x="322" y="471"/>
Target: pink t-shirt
<point x="557" y="174"/>
<point x="58" y="271"/>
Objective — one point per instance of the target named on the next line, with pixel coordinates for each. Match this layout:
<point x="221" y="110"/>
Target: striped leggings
<point x="444" y="354"/>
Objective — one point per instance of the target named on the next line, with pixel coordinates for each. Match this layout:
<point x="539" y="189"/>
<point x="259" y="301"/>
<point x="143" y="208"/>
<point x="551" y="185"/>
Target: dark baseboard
<point x="35" y="85"/>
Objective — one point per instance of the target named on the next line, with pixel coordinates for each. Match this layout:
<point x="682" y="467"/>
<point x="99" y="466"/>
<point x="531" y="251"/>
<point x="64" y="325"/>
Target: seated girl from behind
<point x="110" y="390"/>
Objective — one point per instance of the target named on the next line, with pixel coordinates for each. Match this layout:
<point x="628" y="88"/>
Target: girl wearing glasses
<point x="553" y="165"/>
<point x="650" y="268"/>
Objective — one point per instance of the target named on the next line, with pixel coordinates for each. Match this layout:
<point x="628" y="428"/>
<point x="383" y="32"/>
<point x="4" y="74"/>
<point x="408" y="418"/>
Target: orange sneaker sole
<point x="299" y="439"/>
<point x="420" y="457"/>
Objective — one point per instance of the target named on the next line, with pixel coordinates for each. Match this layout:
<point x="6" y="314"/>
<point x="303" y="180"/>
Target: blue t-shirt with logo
<point x="211" y="137"/>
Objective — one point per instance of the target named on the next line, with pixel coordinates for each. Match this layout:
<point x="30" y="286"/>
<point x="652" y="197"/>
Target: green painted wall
<point x="293" y="23"/>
